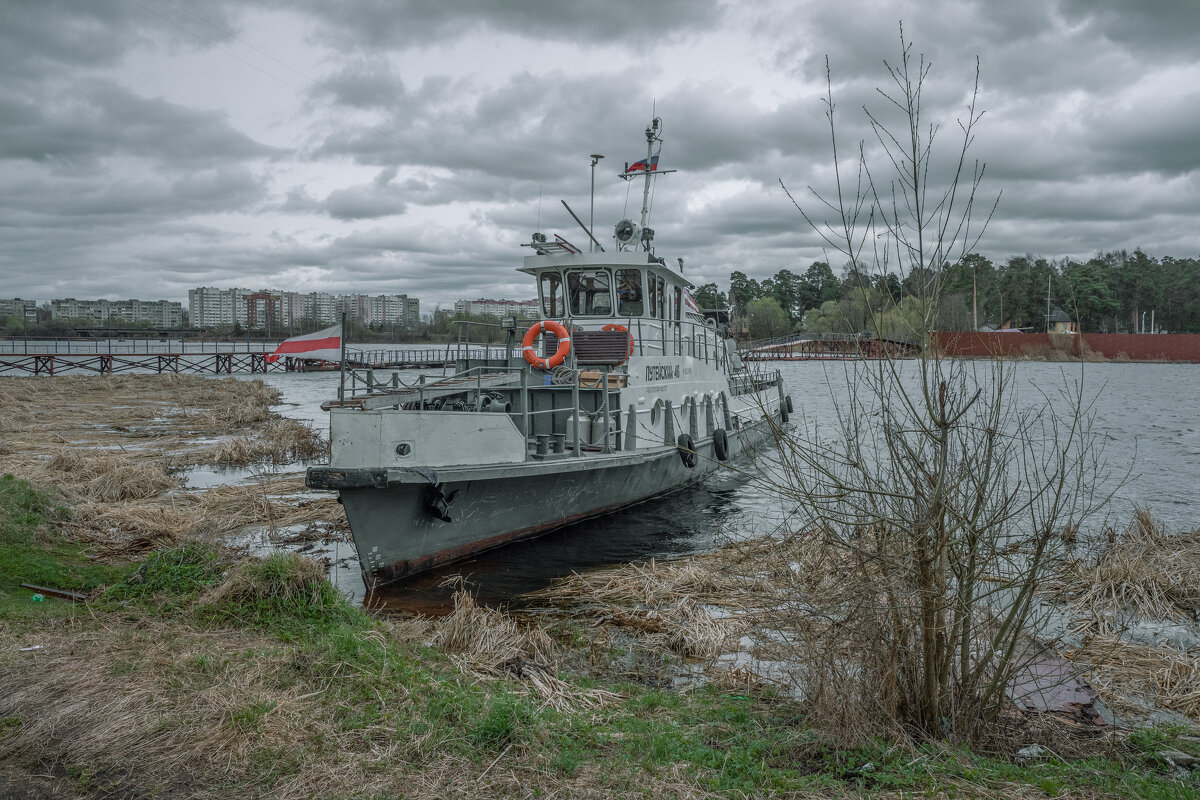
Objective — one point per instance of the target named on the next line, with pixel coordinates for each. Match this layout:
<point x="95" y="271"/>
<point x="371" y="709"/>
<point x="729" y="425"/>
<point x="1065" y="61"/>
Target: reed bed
<point x="105" y="476"/>
<point x="1145" y="571"/>
<point x="111" y="445"/>
<point x="277" y="441"/>
<point x="1134" y="678"/>
<point x="489" y="644"/>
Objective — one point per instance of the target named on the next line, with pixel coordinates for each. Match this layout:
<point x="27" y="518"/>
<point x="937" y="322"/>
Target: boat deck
<point x="443" y="387"/>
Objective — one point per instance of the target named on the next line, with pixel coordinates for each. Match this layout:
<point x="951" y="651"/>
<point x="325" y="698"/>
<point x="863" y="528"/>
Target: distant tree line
<point x="1115" y="292"/>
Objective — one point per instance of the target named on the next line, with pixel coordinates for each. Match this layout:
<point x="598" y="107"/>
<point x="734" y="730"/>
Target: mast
<point x="628" y="233"/>
<point x="651" y="135"/>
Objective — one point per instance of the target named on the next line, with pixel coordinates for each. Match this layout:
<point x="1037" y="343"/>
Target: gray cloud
<point x="380" y="198"/>
<point x="383" y="24"/>
<point x="96" y="119"/>
<point x="364" y="82"/>
<point x="389" y="173"/>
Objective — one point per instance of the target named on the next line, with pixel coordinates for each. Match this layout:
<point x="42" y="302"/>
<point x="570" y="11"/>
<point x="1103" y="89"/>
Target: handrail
<point x="607" y="417"/>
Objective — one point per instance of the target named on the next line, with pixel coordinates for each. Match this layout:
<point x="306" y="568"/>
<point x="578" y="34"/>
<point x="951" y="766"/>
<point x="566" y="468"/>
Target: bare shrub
<point x="940" y="497"/>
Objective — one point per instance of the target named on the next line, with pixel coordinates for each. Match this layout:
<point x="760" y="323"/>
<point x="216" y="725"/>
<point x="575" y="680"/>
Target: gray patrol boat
<point x="624" y="391"/>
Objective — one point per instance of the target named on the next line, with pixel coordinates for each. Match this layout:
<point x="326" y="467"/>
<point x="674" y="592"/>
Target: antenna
<point x="649" y="169"/>
<point x="575" y="217"/>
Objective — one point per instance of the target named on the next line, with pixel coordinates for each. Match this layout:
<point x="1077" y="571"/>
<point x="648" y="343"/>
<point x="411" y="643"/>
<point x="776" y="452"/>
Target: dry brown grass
<point x="111" y="447"/>
<point x="159" y="417"/>
<point x="783" y="603"/>
<point x="1135" y="678"/>
<point x="127" y="529"/>
<point x="277" y="441"/>
<point x="1144" y="571"/>
<point x="165" y="710"/>
<point x="490" y="644"/>
<point x="656" y="583"/>
<point x="1141" y="578"/>
<point x="72" y="403"/>
<point x="186" y="711"/>
<point x="103" y="476"/>
<point x="140" y="728"/>
<point x="803" y="621"/>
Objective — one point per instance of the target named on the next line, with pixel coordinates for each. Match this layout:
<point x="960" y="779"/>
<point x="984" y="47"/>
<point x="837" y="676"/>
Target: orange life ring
<point x="564" y="344"/>
<point x="615" y="327"/>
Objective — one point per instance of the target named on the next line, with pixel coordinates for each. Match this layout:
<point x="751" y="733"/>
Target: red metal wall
<point x="1113" y="346"/>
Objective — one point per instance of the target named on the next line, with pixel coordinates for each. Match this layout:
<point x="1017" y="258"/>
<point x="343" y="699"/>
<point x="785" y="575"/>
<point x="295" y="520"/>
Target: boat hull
<point x="397" y="534"/>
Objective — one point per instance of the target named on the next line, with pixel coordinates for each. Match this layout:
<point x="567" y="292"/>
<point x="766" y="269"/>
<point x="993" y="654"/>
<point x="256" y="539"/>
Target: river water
<point x="1145" y="417"/>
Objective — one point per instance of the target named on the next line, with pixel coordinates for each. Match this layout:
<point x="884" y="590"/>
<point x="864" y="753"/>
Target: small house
<point x="1062" y="322"/>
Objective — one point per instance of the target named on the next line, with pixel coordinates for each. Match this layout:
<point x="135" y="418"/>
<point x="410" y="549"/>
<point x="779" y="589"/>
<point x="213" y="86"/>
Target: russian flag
<point x="325" y="345"/>
<point x="640" y="166"/>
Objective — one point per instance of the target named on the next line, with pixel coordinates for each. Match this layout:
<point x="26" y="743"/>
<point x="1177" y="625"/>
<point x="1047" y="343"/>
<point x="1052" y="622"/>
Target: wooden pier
<point x="88" y="357"/>
<point x="104" y="364"/>
<point x="826" y="346"/>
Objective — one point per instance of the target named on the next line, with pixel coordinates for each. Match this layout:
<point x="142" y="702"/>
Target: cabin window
<point x="589" y="292"/>
<point x="677" y="307"/>
<point x="629" y="293"/>
<point x="552" y="295"/>
<point x="657" y="287"/>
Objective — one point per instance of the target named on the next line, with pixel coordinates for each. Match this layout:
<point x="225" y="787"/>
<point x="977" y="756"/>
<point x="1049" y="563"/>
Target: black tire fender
<point x="720" y="444"/>
<point x="788" y="402"/>
<point x="783" y="412"/>
<point x="687" y="450"/>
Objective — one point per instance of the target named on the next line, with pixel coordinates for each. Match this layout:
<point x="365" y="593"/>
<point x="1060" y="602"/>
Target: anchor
<point x="437" y="499"/>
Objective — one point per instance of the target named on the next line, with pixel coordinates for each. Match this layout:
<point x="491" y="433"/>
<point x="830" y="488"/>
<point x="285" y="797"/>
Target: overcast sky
<point x="409" y="146"/>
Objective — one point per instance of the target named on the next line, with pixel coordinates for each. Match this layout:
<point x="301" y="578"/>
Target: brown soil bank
<point x="1181" y="347"/>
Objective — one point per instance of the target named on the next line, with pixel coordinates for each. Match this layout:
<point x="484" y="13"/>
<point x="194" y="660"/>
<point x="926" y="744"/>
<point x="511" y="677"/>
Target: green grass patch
<point x="8" y="725"/>
<point x="31" y="551"/>
<point x="248" y="718"/>
<point x="284" y="593"/>
<point x="168" y="580"/>
<point x="505" y="720"/>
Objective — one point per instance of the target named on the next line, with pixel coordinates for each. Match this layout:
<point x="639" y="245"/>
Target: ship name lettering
<point x="656" y="372"/>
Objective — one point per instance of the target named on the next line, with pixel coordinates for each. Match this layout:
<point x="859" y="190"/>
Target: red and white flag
<point x="690" y="302"/>
<point x="325" y="345"/>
